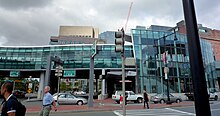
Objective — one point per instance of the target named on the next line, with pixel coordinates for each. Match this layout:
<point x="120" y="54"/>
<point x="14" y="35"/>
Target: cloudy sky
<point x="32" y="22"/>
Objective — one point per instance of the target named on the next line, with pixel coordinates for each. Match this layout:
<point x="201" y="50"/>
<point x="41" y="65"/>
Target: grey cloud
<point x="35" y="26"/>
<point x="23" y="4"/>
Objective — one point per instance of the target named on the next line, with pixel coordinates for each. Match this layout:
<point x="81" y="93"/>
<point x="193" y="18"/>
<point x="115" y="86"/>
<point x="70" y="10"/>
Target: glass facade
<point x="149" y="46"/>
<point x="74" y="56"/>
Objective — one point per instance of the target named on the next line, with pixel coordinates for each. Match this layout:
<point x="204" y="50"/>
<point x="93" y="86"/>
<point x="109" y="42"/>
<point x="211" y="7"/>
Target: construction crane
<point x="129" y="12"/>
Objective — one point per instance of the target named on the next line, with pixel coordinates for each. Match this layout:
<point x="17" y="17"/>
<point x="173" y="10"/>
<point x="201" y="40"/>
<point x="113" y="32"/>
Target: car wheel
<point x="216" y="98"/>
<point x="80" y="103"/>
<point x="162" y="101"/>
<point x="139" y="100"/>
<point x="178" y="101"/>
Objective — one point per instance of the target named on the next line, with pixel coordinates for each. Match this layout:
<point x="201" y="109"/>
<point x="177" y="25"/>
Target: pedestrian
<point x="48" y="101"/>
<point x="121" y="100"/>
<point x="10" y="103"/>
<point x="146" y="100"/>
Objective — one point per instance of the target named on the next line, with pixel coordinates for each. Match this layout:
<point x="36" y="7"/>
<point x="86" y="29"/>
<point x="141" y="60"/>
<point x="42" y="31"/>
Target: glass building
<point x="32" y="61"/>
<point x="149" y="46"/>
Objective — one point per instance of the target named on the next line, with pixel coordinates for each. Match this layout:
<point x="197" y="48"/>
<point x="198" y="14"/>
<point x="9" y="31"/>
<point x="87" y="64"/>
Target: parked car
<point x="19" y="94"/>
<point x="131" y="96"/>
<point x="79" y="93"/>
<point x="212" y="92"/>
<point x="68" y="98"/>
<point x="162" y="98"/>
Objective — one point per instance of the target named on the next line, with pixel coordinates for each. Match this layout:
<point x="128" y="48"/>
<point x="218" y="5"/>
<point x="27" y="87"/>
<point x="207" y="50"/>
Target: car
<point x="162" y="98"/>
<point x="68" y="98"/>
<point x="213" y="93"/>
<point x="131" y="96"/>
<point x="79" y="93"/>
<point x="19" y="94"/>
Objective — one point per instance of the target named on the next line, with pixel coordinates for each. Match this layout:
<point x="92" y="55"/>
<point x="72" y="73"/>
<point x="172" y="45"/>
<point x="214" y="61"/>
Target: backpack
<point x="21" y="109"/>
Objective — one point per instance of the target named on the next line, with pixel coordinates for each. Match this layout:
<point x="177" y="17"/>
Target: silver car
<point x="162" y="98"/>
<point x="67" y="99"/>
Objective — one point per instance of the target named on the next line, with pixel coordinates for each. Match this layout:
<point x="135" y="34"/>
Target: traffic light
<point x="59" y="71"/>
<point x="119" y="41"/>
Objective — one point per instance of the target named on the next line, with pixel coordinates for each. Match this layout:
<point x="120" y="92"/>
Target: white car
<point x="213" y="93"/>
<point x="131" y="96"/>
<point x="67" y="98"/>
<point x="79" y="93"/>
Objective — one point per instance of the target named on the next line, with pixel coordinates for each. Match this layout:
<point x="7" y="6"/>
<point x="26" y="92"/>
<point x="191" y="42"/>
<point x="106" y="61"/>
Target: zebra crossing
<point x="154" y="112"/>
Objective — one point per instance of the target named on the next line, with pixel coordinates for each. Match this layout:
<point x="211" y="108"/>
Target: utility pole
<point x="202" y="106"/>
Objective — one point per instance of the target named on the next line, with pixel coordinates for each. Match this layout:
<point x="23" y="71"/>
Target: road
<point x="173" y="111"/>
<point x="98" y="113"/>
<point x="215" y="108"/>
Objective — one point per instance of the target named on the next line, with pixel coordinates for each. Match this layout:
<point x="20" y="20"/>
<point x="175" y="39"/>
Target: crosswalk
<point x="154" y="112"/>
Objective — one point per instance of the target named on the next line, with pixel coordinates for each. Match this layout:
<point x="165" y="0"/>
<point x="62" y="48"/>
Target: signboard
<point x="69" y="73"/>
<point x="14" y="73"/>
<point x="94" y="49"/>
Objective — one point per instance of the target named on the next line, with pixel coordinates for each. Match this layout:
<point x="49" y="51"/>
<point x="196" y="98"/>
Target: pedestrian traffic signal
<point x="59" y="71"/>
<point x="119" y="41"/>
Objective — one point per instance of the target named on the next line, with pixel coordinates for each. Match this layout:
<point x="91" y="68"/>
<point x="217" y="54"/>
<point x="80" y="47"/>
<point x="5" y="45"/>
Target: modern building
<point x="21" y="62"/>
<point x="109" y="37"/>
<point x="79" y="31"/>
<point x="76" y="35"/>
<point x="211" y="35"/>
<point x="149" y="46"/>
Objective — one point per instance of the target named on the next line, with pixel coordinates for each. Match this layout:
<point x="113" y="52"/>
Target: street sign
<point x="29" y="90"/>
<point x="94" y="49"/>
<point x="14" y="73"/>
<point x="69" y="73"/>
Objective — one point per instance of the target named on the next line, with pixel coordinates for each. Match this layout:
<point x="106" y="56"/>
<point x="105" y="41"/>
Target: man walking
<point x="146" y="100"/>
<point x="10" y="103"/>
<point x="48" y="101"/>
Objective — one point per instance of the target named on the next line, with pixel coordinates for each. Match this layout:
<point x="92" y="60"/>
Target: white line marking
<point x="215" y="109"/>
<point x="117" y="113"/>
<point x="181" y="111"/>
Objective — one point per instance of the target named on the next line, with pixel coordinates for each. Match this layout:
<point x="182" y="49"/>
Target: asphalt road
<point x="215" y="108"/>
<point x="97" y="113"/>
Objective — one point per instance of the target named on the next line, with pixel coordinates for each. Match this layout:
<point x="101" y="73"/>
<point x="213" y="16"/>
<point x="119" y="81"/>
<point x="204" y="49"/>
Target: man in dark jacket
<point x="10" y="104"/>
<point x="146" y="100"/>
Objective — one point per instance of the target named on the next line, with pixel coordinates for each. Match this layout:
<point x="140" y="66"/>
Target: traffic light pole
<point x="119" y="47"/>
<point x="91" y="76"/>
<point x="202" y="106"/>
<point x="91" y="82"/>
<point x="123" y="82"/>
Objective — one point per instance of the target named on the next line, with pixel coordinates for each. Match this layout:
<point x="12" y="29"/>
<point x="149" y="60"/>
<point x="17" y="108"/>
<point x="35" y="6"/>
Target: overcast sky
<point x="32" y="22"/>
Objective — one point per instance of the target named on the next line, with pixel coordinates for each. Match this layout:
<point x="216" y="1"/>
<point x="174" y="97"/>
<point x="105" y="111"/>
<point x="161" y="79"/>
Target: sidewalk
<point x="107" y="105"/>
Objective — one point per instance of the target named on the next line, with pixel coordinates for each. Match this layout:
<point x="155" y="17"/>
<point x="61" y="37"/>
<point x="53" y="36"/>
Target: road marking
<point x="215" y="109"/>
<point x="154" y="112"/>
<point x="180" y="111"/>
<point x="117" y="113"/>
